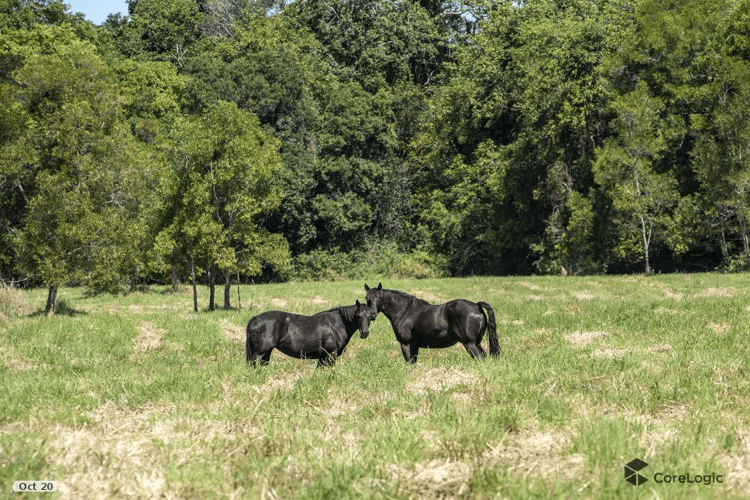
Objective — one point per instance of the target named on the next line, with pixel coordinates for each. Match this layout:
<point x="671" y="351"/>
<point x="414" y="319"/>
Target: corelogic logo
<point x="631" y="472"/>
<point x="633" y="467"/>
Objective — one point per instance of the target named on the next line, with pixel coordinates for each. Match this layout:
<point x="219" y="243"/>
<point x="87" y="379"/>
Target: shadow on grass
<point x="62" y="308"/>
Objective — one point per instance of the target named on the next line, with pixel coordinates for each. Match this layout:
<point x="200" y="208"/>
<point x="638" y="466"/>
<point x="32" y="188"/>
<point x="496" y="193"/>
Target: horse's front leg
<point x="410" y="352"/>
<point x="327" y="359"/>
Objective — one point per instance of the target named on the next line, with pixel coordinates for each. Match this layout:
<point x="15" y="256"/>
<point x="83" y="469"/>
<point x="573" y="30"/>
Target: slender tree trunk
<point x="51" y="299"/>
<point x="195" y="287"/>
<point x="646" y="238"/>
<point x="725" y="259"/>
<point x="239" y="302"/>
<point x="211" y="288"/>
<point x="227" y="290"/>
<point x="175" y="281"/>
<point x="745" y="245"/>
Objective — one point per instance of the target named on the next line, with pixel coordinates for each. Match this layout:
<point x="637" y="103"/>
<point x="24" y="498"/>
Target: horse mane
<point x="410" y="299"/>
<point x="333" y="309"/>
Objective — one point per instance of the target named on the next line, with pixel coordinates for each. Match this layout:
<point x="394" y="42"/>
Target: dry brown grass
<point x="429" y="480"/>
<point x="121" y="452"/>
<point x="149" y="337"/>
<point x="668" y="292"/>
<point x="717" y="292"/>
<point x="584" y="295"/>
<point x="14" y="361"/>
<point x="13" y="302"/>
<point x="719" y="328"/>
<point x="529" y="285"/>
<point x="233" y="331"/>
<point x="530" y="454"/>
<point x="429" y="297"/>
<point x="536" y="453"/>
<point x="277" y="302"/>
<point x="318" y="300"/>
<point x="438" y="379"/>
<point x="582" y="339"/>
<point x="618" y="353"/>
<point x="664" y="310"/>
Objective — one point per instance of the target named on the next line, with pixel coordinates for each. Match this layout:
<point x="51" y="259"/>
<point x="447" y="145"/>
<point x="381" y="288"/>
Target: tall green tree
<point x="70" y="168"/>
<point x="25" y="14"/>
<point x="645" y="199"/>
<point x="524" y="109"/>
<point x="220" y="188"/>
<point x="157" y="30"/>
<point x="341" y="179"/>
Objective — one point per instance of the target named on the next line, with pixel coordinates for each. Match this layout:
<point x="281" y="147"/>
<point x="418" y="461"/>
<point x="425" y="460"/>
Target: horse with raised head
<point x="322" y="336"/>
<point x="417" y="323"/>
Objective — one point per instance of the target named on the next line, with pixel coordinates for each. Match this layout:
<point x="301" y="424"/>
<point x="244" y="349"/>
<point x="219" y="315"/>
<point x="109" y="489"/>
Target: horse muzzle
<point x="363" y="335"/>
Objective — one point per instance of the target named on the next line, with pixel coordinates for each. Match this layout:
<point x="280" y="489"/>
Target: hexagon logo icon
<point x="631" y="472"/>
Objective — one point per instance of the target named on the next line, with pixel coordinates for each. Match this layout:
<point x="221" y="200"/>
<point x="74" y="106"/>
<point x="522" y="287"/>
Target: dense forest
<point x="217" y="140"/>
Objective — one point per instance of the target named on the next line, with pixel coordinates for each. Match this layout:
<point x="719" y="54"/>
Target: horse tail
<point x="491" y="329"/>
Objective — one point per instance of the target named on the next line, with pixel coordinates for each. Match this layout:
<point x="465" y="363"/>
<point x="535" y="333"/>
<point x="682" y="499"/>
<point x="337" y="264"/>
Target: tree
<point x="69" y="165"/>
<point x="643" y="197"/>
<point x="25" y="14"/>
<point x="219" y="188"/>
<point x="521" y="114"/>
<point x="157" y="30"/>
<point x="342" y="180"/>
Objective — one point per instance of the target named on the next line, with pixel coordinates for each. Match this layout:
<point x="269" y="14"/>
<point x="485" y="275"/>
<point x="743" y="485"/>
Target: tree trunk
<point x="51" y="299"/>
<point x="195" y="288"/>
<point x="745" y="245"/>
<point x="646" y="241"/>
<point x="725" y="258"/>
<point x="211" y="288"/>
<point x="227" y="290"/>
<point x="175" y="281"/>
<point x="239" y="302"/>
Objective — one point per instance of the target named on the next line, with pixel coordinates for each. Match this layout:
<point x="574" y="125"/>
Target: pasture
<point x="137" y="396"/>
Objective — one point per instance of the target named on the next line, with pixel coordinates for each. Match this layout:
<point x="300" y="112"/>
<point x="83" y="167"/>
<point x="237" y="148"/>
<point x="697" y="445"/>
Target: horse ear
<point x="380" y="286"/>
<point x="357" y="302"/>
<point x="366" y="287"/>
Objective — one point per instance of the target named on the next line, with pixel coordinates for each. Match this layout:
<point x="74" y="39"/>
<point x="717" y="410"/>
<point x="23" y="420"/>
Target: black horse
<point x="322" y="336"/>
<point x="417" y="323"/>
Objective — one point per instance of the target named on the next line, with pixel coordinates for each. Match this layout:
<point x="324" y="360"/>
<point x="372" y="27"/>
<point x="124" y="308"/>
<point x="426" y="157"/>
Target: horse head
<point x="373" y="296"/>
<point x="364" y="315"/>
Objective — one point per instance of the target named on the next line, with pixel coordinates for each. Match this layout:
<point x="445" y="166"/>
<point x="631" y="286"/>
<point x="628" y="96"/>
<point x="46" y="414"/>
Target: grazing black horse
<point x="417" y="323"/>
<point x="322" y="336"/>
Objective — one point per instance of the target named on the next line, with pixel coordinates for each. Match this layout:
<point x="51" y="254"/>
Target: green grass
<point x="138" y="396"/>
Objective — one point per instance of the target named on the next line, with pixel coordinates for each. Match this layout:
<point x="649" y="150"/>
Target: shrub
<point x="382" y="259"/>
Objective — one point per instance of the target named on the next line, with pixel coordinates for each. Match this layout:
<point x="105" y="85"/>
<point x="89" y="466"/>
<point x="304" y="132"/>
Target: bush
<point x="382" y="259"/>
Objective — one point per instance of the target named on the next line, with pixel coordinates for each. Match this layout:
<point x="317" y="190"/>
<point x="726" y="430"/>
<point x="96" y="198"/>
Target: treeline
<point x="210" y="140"/>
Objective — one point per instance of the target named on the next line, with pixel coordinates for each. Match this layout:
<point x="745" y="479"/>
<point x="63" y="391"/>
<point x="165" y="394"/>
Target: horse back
<point x="462" y="312"/>
<point x="267" y="327"/>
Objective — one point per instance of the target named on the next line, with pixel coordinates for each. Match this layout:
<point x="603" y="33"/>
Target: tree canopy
<point x="272" y="140"/>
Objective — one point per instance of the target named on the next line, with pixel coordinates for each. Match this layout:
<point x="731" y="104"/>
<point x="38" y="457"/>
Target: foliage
<point x="381" y="260"/>
<point x="496" y="137"/>
<point x="219" y="186"/>
<point x="76" y="196"/>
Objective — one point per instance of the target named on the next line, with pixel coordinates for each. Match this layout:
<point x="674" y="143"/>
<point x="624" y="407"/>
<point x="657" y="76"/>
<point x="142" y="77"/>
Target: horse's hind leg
<point x="410" y="352"/>
<point x="475" y="350"/>
<point x="259" y="358"/>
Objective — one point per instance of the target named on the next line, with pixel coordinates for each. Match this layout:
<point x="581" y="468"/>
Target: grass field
<point x="138" y="396"/>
